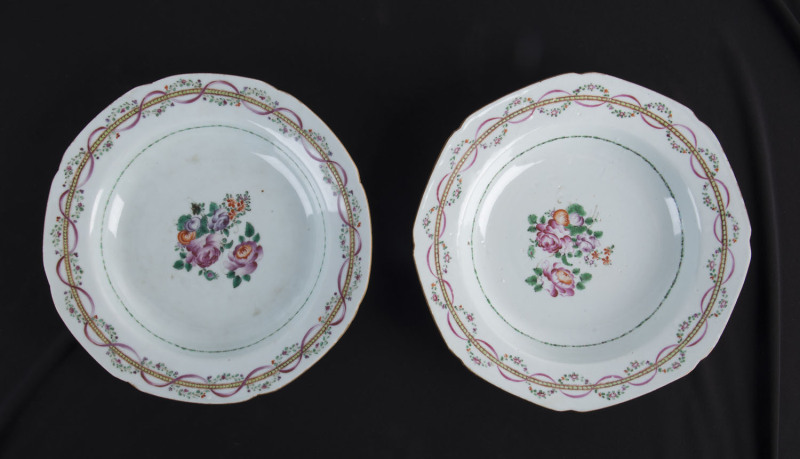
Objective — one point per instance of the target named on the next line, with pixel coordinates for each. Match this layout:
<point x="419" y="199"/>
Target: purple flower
<point x="575" y="219"/>
<point x="586" y="243"/>
<point x="204" y="251"/>
<point x="552" y="237"/>
<point x="192" y="224"/>
<point x="220" y="220"/>
<point x="243" y="259"/>
<point x="557" y="280"/>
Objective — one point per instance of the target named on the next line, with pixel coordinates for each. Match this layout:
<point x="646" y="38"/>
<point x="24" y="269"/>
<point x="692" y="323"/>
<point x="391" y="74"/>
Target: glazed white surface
<point x="203" y="316"/>
<point x="601" y="176"/>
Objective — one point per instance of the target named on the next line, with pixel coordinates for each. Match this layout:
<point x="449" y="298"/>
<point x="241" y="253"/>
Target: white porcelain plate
<point x="582" y="242"/>
<point x="207" y="238"/>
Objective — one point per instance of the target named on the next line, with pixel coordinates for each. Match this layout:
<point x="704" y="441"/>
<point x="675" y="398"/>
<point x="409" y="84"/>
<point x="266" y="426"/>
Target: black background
<point x="393" y="80"/>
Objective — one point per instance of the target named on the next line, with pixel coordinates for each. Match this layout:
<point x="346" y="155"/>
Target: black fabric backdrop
<point x="393" y="80"/>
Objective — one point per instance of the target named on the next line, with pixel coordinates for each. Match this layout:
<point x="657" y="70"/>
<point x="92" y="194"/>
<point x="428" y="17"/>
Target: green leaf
<point x="182" y="221"/>
<point x="580" y="286"/>
<point x="598" y="234"/>
<point x="531" y="251"/>
<point x="578" y="253"/>
<point x="576" y="270"/>
<point x="236" y="281"/>
<point x="537" y="287"/>
<point x="228" y="245"/>
<point x="241" y="238"/>
<point x="564" y="260"/>
<point x="246" y="277"/>
<point x="200" y="273"/>
<point x="586" y="277"/>
<point x="212" y="207"/>
<point x="589" y="232"/>
<point x="203" y="226"/>
<point x="588" y="220"/>
<point x="532" y="229"/>
<point x="257" y="237"/>
<point x="231" y="275"/>
<point x="538" y="271"/>
<point x="249" y="230"/>
<point x="178" y="264"/>
<point x="188" y="267"/>
<point x="532" y="219"/>
<point x="569" y="255"/>
<point x="577" y="209"/>
<point x="226" y="232"/>
<point x="531" y="280"/>
<point x="575" y="230"/>
<point x="182" y="254"/>
<point x="541" y="220"/>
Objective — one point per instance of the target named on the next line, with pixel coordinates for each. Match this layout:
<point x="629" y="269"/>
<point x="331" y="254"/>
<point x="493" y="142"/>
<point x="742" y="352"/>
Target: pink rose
<point x="557" y="280"/>
<point x="243" y="258"/>
<point x="586" y="243"/>
<point x="204" y="251"/>
<point x="575" y="219"/>
<point x="552" y="237"/>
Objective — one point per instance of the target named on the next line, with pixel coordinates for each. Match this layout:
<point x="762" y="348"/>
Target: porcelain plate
<point x="207" y="238"/>
<point x="582" y="242"/>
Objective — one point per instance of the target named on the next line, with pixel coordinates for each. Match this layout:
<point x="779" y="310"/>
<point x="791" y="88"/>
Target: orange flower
<point x="185" y="237"/>
<point x="231" y="203"/>
<point x="232" y="214"/>
<point x="595" y="255"/>
<point x="607" y="251"/>
<point x="243" y="251"/>
<point x="240" y="206"/>
<point x="606" y="260"/>
<point x="561" y="217"/>
<point x="564" y="276"/>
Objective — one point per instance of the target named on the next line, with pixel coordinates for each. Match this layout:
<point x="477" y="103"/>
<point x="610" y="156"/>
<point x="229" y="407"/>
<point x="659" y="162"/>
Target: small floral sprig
<point x="237" y="206"/>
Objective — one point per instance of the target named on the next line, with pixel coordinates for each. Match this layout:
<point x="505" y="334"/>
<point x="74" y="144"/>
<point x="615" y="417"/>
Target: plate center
<point x="212" y="238"/>
<point x="576" y="242"/>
